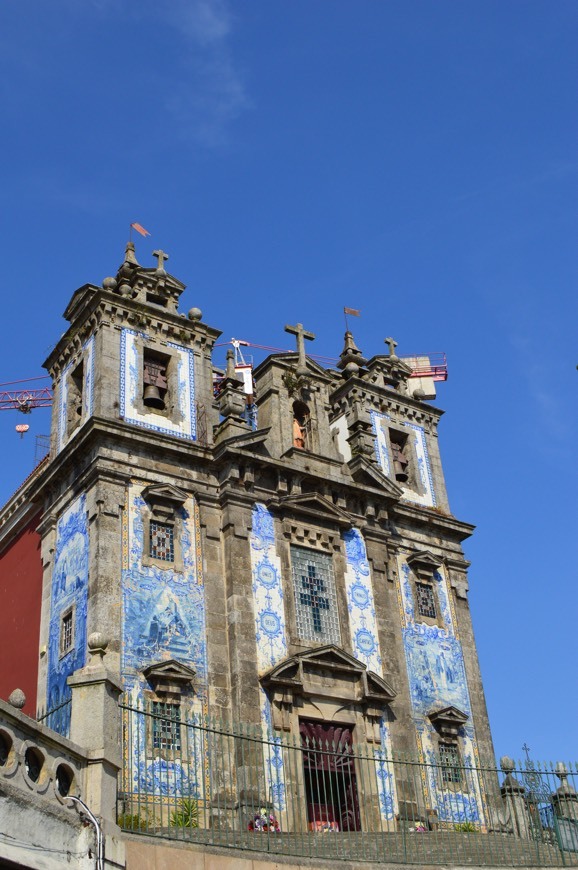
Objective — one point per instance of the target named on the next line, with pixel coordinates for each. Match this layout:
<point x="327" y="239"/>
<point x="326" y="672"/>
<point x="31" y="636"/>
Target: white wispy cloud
<point x="208" y="91"/>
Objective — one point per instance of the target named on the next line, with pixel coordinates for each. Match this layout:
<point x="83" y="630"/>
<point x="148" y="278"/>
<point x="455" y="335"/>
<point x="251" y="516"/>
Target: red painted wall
<point x="20" y="603"/>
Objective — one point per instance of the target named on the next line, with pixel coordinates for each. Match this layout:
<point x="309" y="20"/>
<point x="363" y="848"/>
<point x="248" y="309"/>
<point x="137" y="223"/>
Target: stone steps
<point x="441" y="847"/>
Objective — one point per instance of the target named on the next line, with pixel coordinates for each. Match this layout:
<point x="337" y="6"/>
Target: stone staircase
<point x="427" y="848"/>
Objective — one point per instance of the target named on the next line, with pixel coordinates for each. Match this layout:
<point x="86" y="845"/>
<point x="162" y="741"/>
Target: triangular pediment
<point x="424" y="560"/>
<point x="365" y="472"/>
<point x="292" y="359"/>
<point x="165" y="492"/>
<point x="448" y="720"/>
<point x="312" y="504"/>
<point x="169" y="677"/>
<point x="450" y="714"/>
<point x="170" y="668"/>
<point x="295" y="673"/>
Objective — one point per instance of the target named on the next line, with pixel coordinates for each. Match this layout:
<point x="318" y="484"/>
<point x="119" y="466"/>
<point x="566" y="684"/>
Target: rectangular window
<point x="426" y="603"/>
<point x="450" y="763"/>
<point x="67" y="632"/>
<point x="166" y="725"/>
<point x="162" y="541"/>
<point x="315" y="597"/>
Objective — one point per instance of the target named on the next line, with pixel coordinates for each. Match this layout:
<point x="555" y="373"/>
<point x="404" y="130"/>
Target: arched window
<point x="301" y="426"/>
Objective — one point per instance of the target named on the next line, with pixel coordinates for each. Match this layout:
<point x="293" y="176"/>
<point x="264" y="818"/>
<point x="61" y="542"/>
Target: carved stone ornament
<point x="448" y="721"/>
<point x="324" y="672"/>
<point x="169" y="677"/>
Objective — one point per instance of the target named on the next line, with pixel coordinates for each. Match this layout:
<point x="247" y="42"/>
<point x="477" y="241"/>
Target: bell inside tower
<point x="155" y="381"/>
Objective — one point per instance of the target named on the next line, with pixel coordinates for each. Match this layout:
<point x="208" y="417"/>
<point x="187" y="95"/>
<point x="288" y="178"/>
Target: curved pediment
<point x="329" y="671"/>
<point x="312" y="504"/>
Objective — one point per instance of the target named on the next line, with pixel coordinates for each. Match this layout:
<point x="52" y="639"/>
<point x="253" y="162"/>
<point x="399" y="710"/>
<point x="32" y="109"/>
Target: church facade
<point x="282" y="556"/>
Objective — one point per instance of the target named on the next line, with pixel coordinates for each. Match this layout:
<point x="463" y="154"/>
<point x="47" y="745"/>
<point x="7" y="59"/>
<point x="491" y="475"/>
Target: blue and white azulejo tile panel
<point x="360" y="602"/>
<point x="380" y="423"/>
<point x="69" y="593"/>
<point x="384" y="774"/>
<point x="163" y="609"/>
<point x="434" y="654"/>
<point x="163" y="617"/>
<point x="270" y="630"/>
<point x="437" y="679"/>
<point x="131" y="408"/>
<point x="270" y="635"/>
<point x="366" y="648"/>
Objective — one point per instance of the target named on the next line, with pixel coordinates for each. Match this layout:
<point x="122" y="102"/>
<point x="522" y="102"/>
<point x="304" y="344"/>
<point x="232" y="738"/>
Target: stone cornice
<point x="366" y="390"/>
<point x="100" y="304"/>
<point x="445" y="523"/>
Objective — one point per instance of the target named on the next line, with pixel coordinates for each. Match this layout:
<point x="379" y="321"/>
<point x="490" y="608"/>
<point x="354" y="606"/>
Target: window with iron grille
<point x="166" y="725"/>
<point x="450" y="763"/>
<point x="67" y="632"/>
<point x="162" y="541"/>
<point x="426" y="603"/>
<point x="315" y="597"/>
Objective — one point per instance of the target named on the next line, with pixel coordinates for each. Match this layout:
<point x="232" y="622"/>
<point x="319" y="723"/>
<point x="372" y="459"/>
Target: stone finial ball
<point x="419" y="393"/>
<point x="507" y="764"/>
<point x="109" y="283"/>
<point x="97" y="640"/>
<point x="195" y="314"/>
<point x="125" y="290"/>
<point x="351" y="368"/>
<point x="17" y="699"/>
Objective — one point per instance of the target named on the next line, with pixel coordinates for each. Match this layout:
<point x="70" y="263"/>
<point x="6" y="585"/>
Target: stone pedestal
<point x="95" y="725"/>
<point x="517" y="819"/>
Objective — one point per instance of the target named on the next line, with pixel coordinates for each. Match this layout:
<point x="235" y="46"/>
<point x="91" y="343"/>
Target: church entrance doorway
<point x="329" y="774"/>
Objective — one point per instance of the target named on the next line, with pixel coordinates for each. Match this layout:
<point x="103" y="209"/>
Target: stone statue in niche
<point x="301" y="425"/>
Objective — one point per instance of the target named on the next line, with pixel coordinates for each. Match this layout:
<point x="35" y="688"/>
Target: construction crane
<point x="24" y="398"/>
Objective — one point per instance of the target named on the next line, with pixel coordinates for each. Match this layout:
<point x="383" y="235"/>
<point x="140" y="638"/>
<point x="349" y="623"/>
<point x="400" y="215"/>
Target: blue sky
<point x="415" y="160"/>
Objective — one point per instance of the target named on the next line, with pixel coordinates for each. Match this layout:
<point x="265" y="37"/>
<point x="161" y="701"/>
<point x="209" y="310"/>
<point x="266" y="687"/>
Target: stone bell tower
<point x="133" y="412"/>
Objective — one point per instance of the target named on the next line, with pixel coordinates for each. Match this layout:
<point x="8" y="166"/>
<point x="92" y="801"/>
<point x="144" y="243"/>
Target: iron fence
<point x="58" y="718"/>
<point x="247" y="788"/>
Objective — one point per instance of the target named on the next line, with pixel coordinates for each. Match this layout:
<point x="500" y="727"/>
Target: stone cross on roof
<point x="161" y="257"/>
<point x="392" y="344"/>
<point x="301" y="334"/>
